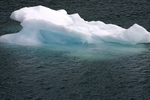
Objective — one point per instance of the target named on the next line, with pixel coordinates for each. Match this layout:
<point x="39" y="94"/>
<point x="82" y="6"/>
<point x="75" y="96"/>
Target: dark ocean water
<point x="40" y="73"/>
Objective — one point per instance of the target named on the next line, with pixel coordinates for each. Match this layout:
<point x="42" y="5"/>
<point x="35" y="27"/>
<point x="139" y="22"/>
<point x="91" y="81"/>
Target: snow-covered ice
<point x="42" y="25"/>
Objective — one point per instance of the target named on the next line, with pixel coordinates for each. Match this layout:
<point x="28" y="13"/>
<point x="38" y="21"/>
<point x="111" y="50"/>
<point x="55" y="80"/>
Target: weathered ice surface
<point x="42" y="25"/>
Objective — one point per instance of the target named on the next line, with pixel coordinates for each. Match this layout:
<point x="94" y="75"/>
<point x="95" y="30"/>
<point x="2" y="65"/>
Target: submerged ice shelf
<point x="42" y="25"/>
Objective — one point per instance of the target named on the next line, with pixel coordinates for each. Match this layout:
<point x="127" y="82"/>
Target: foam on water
<point x="44" y="26"/>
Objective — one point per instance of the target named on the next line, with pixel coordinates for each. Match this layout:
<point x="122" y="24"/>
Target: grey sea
<point x="87" y="73"/>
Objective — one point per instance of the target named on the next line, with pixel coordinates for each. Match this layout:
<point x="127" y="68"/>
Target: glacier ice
<point x="42" y="25"/>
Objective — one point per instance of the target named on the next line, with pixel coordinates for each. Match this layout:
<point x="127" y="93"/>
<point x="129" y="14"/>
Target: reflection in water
<point x="41" y="73"/>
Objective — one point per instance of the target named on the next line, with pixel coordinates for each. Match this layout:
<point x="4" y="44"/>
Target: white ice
<point x="42" y="25"/>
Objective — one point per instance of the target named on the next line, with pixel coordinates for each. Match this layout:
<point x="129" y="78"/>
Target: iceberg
<point x="42" y="25"/>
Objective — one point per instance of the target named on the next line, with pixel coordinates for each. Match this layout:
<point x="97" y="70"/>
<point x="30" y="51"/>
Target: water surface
<point x="41" y="73"/>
